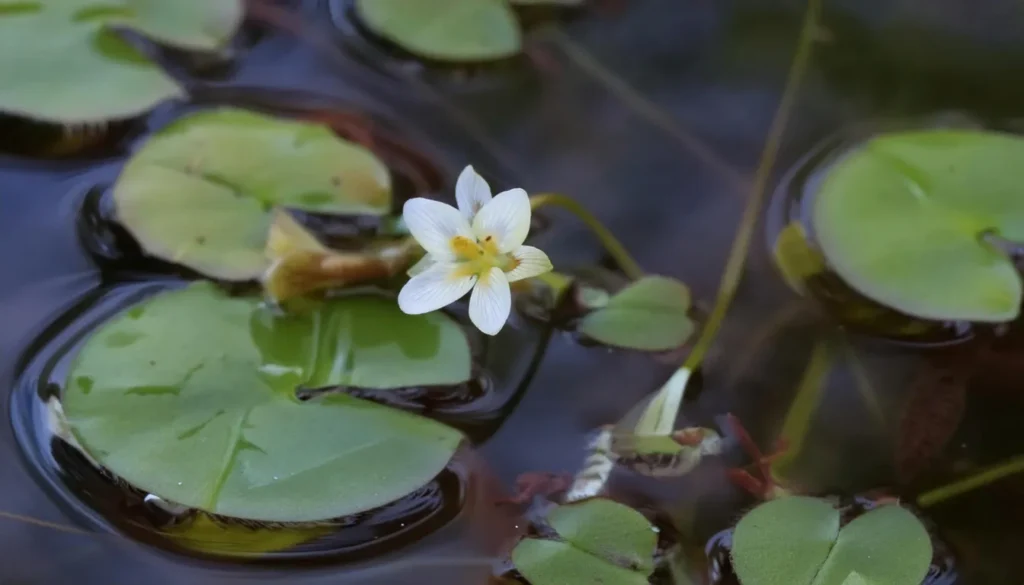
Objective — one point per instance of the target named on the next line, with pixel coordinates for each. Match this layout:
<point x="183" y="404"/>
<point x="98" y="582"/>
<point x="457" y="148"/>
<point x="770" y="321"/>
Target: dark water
<point x="666" y="163"/>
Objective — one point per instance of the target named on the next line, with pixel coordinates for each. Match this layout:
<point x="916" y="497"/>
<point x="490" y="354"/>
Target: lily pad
<point x="902" y="220"/>
<point x="446" y="30"/>
<point x="201" y="192"/>
<point x="798" y="541"/>
<point x="190" y="396"/>
<point x="649" y="315"/>
<point x="91" y="73"/>
<point x="603" y="542"/>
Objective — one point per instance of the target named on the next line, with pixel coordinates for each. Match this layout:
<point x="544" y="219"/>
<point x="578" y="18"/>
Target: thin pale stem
<point x="741" y="245"/>
<point x="614" y="247"/>
<point x="971" y="483"/>
<point x="44" y="524"/>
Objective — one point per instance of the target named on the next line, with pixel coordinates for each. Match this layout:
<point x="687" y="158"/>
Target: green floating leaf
<point x="201" y="192"/>
<point x="203" y="25"/>
<point x="797" y="541"/>
<point x="886" y="545"/>
<point x="604" y="542"/>
<point x="795" y="257"/>
<point x="446" y="30"/>
<point x="91" y="73"/>
<point x="190" y="396"/>
<point x="649" y="315"/>
<point x="902" y="220"/>
<point x="608" y="530"/>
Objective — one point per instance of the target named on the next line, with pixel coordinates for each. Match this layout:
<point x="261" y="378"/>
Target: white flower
<point x="478" y="246"/>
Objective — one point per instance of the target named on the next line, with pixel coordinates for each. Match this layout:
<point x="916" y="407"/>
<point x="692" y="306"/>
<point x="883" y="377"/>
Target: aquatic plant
<point x="93" y="73"/>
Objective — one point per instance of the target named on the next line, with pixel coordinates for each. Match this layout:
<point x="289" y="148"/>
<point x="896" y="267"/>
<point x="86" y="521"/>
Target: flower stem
<point x="611" y="243"/>
<point x="741" y="245"/>
<point x="973" y="482"/>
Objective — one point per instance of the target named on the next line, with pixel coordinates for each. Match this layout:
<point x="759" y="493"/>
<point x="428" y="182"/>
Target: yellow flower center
<point x="479" y="256"/>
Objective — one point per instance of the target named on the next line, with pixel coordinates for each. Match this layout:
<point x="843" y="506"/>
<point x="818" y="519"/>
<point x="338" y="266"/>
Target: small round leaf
<point x="885" y="545"/>
<point x="902" y="220"/>
<point x="551" y="562"/>
<point x="648" y="315"/>
<point x="201" y="192"/>
<point x="608" y="530"/>
<point x="446" y="30"/>
<point x="784" y="541"/>
<point x="190" y="396"/>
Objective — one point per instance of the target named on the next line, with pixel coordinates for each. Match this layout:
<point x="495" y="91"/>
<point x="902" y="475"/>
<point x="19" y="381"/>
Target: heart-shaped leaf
<point x="603" y="542"/>
<point x="91" y="73"/>
<point x="445" y="30"/>
<point x="190" y="396"/>
<point x="903" y="218"/>
<point x="798" y="541"/>
<point x="649" y="315"/>
<point x="201" y="192"/>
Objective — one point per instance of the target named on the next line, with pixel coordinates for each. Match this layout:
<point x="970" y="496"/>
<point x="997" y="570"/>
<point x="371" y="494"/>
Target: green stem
<point x="808" y="396"/>
<point x="741" y="245"/>
<point x="611" y="243"/>
<point x="973" y="482"/>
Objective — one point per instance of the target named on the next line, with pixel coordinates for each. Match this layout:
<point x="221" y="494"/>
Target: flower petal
<point x="506" y="219"/>
<point x="471" y="192"/>
<point x="491" y="302"/>
<point x="421" y="266"/>
<point x="436" y="287"/>
<point x="532" y="261"/>
<point x="434" y="224"/>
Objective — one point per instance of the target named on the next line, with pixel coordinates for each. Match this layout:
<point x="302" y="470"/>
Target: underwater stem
<point x="973" y="482"/>
<point x="808" y="396"/>
<point x="741" y="246"/>
<point x="608" y="239"/>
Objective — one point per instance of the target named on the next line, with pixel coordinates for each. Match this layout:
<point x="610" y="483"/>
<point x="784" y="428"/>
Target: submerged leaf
<point x="445" y="30"/>
<point x="201" y="192"/>
<point x="603" y="542"/>
<point x="90" y="73"/>
<point x="797" y="540"/>
<point x="650" y="315"/>
<point x="191" y="396"/>
<point x="795" y="257"/>
<point x="903" y="220"/>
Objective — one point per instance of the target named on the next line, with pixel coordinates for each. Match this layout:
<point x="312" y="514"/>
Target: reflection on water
<point x="714" y="72"/>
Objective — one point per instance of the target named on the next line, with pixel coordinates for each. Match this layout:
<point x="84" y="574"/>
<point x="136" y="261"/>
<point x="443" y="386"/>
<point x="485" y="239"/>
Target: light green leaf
<point x="784" y="541"/>
<point x="795" y="257"/>
<point x="190" y="396"/>
<point x="886" y="545"/>
<point x="608" y="530"/>
<point x="603" y="542"/>
<point x="649" y="315"/>
<point x="201" y="192"/>
<point x="901" y="219"/>
<point x="446" y="30"/>
<point x="62" y="62"/>
<point x="797" y="541"/>
<point x="551" y="562"/>
<point x="190" y="24"/>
